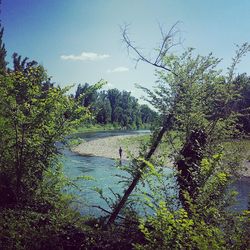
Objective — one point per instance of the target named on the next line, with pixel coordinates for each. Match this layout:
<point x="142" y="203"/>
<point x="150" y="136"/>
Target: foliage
<point x="116" y="107"/>
<point x="175" y="230"/>
<point x="3" y="52"/>
<point x="169" y="229"/>
<point x="34" y="115"/>
<point x="198" y="98"/>
<point x="86" y="94"/>
<point x="48" y="222"/>
<point x="89" y="127"/>
<point x="198" y="107"/>
<point x="195" y="101"/>
<point x="242" y="103"/>
<point x="206" y="224"/>
<point x="31" y="121"/>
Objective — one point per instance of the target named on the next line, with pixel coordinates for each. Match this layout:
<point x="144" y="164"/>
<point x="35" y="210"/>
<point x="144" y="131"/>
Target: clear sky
<point x="80" y="41"/>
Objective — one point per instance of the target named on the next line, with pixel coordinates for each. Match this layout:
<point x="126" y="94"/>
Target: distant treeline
<point x="122" y="109"/>
<point x="115" y="107"/>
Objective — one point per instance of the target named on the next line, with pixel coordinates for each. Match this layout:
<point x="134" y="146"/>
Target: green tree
<point x="113" y="96"/>
<point x="103" y="108"/>
<point x="32" y="119"/>
<point x="195" y="103"/>
<point x="86" y="94"/>
<point x="175" y="230"/>
<point x="147" y="115"/>
<point x="242" y="103"/>
<point x="22" y="65"/>
<point x="194" y="99"/>
<point x="3" y="52"/>
<point x="113" y="106"/>
<point x="127" y="110"/>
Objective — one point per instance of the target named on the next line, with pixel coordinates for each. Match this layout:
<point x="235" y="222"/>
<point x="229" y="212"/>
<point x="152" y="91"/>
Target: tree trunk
<point x="140" y="170"/>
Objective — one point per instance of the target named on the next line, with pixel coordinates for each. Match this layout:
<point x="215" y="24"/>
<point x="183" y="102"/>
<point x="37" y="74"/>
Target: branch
<point x="166" y="45"/>
<point x="240" y="52"/>
<point x="166" y="42"/>
<point x="118" y="216"/>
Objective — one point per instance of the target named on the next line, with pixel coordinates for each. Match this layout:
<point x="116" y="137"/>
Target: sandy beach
<point x="109" y="147"/>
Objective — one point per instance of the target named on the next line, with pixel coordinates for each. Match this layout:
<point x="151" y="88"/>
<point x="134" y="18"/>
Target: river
<point x="104" y="172"/>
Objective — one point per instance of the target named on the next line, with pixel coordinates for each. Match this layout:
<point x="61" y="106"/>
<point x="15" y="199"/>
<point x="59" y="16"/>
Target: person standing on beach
<point x="120" y="153"/>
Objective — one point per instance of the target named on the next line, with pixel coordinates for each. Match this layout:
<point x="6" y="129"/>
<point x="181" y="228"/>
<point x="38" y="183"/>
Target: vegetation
<point x="195" y="100"/>
<point x="3" y="52"/>
<point x="114" y="108"/>
<point x="200" y="112"/>
<point x="34" y="115"/>
<point x="89" y="127"/>
<point x="242" y="104"/>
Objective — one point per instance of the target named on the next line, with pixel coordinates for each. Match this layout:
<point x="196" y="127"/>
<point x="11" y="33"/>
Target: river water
<point x="104" y="172"/>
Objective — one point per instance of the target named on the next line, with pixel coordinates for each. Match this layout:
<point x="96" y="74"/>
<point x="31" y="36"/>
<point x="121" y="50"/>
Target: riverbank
<point x="107" y="127"/>
<point x="96" y="128"/>
<point x="109" y="147"/>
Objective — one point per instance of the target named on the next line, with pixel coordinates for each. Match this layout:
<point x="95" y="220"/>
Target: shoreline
<point x="108" y="147"/>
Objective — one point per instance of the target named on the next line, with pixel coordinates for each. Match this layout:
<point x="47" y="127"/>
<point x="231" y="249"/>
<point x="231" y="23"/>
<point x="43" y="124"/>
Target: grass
<point x="104" y="127"/>
<point x="96" y="128"/>
<point x="72" y="142"/>
<point x="244" y="143"/>
<point x="241" y="147"/>
<point x="135" y="140"/>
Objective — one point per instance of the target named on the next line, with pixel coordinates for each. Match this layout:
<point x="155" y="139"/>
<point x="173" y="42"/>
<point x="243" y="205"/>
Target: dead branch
<point x="166" y="45"/>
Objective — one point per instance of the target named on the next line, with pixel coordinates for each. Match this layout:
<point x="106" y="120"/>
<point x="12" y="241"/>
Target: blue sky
<point x="80" y="41"/>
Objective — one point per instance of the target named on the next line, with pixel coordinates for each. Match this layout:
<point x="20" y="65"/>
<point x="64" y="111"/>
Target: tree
<point x="103" y="108"/>
<point x="22" y="65"/>
<point x="86" y="94"/>
<point x="147" y="115"/>
<point x="3" y="52"/>
<point x="114" y="106"/>
<point x="242" y="103"/>
<point x="161" y="63"/>
<point x="193" y="99"/>
<point x="32" y="118"/>
<point x="114" y="97"/>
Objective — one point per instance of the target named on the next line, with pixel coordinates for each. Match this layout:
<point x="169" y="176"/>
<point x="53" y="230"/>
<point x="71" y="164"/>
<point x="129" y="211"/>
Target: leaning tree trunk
<point x="159" y="63"/>
<point x="140" y="170"/>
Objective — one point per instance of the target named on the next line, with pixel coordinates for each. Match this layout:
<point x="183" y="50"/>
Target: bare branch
<point x="166" y="44"/>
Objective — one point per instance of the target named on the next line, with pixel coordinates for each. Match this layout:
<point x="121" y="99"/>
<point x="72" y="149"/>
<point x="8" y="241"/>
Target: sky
<point x="79" y="41"/>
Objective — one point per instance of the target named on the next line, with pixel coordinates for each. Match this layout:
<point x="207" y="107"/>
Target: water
<point x="104" y="171"/>
<point x="242" y="186"/>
